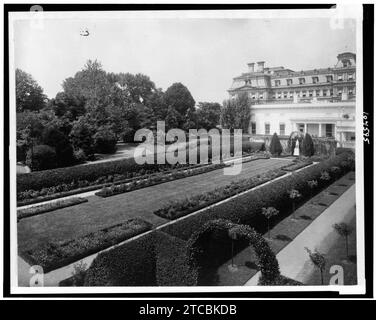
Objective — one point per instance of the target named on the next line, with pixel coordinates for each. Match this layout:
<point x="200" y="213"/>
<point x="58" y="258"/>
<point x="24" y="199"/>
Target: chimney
<point x="260" y="66"/>
<point x="251" y="67"/>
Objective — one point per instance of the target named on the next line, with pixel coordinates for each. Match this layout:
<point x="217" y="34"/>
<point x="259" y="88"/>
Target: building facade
<point x="320" y="101"/>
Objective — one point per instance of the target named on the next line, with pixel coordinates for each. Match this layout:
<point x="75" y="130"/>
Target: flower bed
<point x="297" y="165"/>
<point x="58" y="254"/>
<point x="155" y="180"/>
<point x="43" y="208"/>
<point x="75" y="187"/>
<point x="181" y="208"/>
<point x="41" y="184"/>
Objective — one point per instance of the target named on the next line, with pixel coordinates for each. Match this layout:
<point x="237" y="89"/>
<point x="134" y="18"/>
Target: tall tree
<point x="227" y="116"/>
<point x="29" y="94"/>
<point x="236" y="113"/>
<point x="178" y="97"/>
<point x="208" y="115"/>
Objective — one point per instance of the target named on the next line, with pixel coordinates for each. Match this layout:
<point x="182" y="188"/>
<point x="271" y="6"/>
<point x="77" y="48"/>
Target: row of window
<point x="282" y="128"/>
<point x="315" y="79"/>
<point x="329" y="129"/>
<point x="310" y="93"/>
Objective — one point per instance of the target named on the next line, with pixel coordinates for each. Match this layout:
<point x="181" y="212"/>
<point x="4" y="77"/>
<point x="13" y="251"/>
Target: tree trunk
<point x="322" y="277"/>
<point x="232" y="252"/>
<point x="268" y="229"/>
<point x="293" y="209"/>
<point x="347" y="247"/>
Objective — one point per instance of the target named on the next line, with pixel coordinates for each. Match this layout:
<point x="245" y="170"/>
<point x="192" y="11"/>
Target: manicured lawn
<point x="282" y="234"/>
<point x="98" y="213"/>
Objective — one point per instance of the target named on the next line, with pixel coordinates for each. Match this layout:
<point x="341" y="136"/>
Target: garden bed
<point x="32" y="196"/>
<point x="246" y="208"/>
<point x="155" y="180"/>
<point x="57" y="254"/>
<point x="166" y="177"/>
<point x="296" y="166"/>
<point x="181" y="208"/>
<point x="47" y="194"/>
<point x="136" y="255"/>
<point x="48" y="207"/>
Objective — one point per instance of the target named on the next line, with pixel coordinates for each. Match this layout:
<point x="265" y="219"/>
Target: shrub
<point x="79" y="156"/>
<point x="246" y="208"/>
<point x="343" y="150"/>
<point x="57" y="254"/>
<point x="127" y="135"/>
<point x="296" y="165"/>
<point x="90" y="173"/>
<point x="308" y="147"/>
<point x="275" y="145"/>
<point x="181" y="208"/>
<point x="56" y="139"/>
<point x="198" y="249"/>
<point x="48" y="207"/>
<point x="155" y="179"/>
<point x="21" y="151"/>
<point x="318" y="260"/>
<point x="172" y="264"/>
<point x="105" y="140"/>
<point x="41" y="157"/>
<point x="131" y="264"/>
<point x="82" y="136"/>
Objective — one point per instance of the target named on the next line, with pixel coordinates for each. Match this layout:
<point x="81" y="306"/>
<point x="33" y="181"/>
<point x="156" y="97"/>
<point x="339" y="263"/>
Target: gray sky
<point x="203" y="54"/>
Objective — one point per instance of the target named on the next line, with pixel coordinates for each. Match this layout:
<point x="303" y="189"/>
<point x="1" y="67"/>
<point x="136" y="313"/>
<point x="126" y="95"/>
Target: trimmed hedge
<point x="246" y="209"/>
<point x="130" y="264"/>
<point x="91" y="172"/>
<point x="183" y="207"/>
<point x="57" y="254"/>
<point x="198" y="247"/>
<point x="297" y="165"/>
<point x="155" y="180"/>
<point x="172" y="262"/>
<point x="157" y="258"/>
<point x="48" y="207"/>
<point x="154" y="259"/>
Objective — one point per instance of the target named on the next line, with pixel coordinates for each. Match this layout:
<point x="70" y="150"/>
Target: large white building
<point x="320" y="101"/>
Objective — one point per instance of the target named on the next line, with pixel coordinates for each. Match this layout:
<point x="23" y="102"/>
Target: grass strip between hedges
<point x="58" y="254"/>
<point x="296" y="166"/>
<point x="155" y="180"/>
<point x="181" y="208"/>
<point x="48" y="207"/>
<point x="94" y="187"/>
<point x="162" y="178"/>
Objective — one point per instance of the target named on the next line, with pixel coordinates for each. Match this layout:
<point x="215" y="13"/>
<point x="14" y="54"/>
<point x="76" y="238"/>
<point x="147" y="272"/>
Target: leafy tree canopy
<point x="29" y="94"/>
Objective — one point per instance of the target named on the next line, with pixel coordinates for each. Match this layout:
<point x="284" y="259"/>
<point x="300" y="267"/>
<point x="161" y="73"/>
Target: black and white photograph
<point x="187" y="150"/>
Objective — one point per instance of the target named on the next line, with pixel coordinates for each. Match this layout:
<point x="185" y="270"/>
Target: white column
<point x="319" y="129"/>
<point x="305" y="128"/>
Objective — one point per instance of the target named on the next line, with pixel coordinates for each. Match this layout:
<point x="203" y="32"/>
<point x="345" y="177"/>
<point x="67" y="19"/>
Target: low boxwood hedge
<point x="78" y="186"/>
<point x="48" y="207"/>
<point x="156" y="179"/>
<point x="297" y="165"/>
<point x="85" y="173"/>
<point x="183" y="207"/>
<point x="57" y="254"/>
<point x="246" y="208"/>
